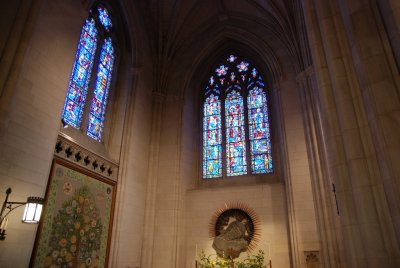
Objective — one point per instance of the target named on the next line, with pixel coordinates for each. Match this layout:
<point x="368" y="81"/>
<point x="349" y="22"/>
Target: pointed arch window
<point x="96" y="31"/>
<point x="81" y="71"/>
<point x="245" y="148"/>
<point x="235" y="135"/>
<point x="101" y="88"/>
<point x="212" y="137"/>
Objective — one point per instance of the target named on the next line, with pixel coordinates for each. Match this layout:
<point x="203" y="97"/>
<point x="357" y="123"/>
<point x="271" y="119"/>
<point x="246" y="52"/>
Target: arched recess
<point x="191" y="131"/>
<point x="275" y="68"/>
<point x="188" y="66"/>
<point x="109" y="145"/>
<point x="263" y="56"/>
<point x="122" y="127"/>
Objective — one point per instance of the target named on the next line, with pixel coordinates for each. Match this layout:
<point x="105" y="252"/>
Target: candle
<point x="4" y="223"/>
<point x="196" y="253"/>
<point x="269" y="251"/>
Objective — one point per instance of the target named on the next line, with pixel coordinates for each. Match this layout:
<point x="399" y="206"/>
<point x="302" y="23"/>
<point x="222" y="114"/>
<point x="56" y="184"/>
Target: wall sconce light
<point x="64" y="124"/>
<point x="33" y="210"/>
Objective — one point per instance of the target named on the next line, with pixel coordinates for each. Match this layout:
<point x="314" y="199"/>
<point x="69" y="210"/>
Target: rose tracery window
<point x="236" y="121"/>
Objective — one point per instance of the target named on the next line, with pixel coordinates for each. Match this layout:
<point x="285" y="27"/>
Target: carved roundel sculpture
<point x="234" y="229"/>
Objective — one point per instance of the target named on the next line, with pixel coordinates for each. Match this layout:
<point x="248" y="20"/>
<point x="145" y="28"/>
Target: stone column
<point x="128" y="223"/>
<point x="380" y="96"/>
<point x="148" y="237"/>
<point x="325" y="204"/>
<point x="328" y="121"/>
<point x="347" y="138"/>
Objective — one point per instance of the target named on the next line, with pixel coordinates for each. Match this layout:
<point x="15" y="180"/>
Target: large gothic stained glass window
<point x="95" y="31"/>
<point x="245" y="145"/>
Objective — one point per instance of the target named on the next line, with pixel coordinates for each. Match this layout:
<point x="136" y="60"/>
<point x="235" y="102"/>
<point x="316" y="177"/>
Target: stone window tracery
<point x="236" y="122"/>
<point x="96" y="32"/>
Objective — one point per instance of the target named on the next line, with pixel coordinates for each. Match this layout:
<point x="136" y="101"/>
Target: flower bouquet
<point x="214" y="261"/>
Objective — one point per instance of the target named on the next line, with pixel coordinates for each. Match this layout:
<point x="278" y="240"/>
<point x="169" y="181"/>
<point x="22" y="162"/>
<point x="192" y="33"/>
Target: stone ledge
<point x="77" y="154"/>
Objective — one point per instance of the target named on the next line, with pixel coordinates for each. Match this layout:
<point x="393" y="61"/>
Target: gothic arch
<point x="268" y="66"/>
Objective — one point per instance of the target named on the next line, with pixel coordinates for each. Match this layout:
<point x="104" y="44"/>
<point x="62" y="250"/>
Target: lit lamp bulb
<point x="33" y="210"/>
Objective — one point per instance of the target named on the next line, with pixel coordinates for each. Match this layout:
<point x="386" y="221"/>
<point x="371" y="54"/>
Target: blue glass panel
<point x="232" y="76"/>
<point x="104" y="18"/>
<point x="221" y="70"/>
<point x="254" y="72"/>
<point x="259" y="146"/>
<point x="99" y="101"/>
<point x="235" y="135"/>
<point x="212" y="81"/>
<point x="78" y="84"/>
<point x="261" y="163"/>
<point x="212" y="140"/>
<point x="231" y="58"/>
<point x="242" y="66"/>
<point x="260" y="143"/>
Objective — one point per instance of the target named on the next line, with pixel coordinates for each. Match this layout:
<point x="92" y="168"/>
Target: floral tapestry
<point x="75" y="228"/>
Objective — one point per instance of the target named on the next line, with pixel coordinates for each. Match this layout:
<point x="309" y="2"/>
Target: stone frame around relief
<point x="75" y="227"/>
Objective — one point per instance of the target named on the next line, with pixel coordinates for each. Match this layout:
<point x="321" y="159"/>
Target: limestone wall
<point x="31" y="103"/>
<point x="34" y="80"/>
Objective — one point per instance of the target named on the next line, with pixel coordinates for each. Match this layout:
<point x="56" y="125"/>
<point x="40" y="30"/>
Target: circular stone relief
<point x="234" y="229"/>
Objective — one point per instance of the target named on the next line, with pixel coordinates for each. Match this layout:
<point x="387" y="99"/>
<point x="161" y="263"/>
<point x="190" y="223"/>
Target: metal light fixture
<point x="33" y="210"/>
<point x="64" y="124"/>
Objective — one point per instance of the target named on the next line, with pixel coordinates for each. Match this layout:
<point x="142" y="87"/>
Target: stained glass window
<point x="81" y="71"/>
<point x="236" y="163"/>
<point x="104" y="18"/>
<point x="94" y="31"/>
<point x="212" y="138"/>
<point x="239" y="137"/>
<point x="99" y="100"/>
<point x="259" y="133"/>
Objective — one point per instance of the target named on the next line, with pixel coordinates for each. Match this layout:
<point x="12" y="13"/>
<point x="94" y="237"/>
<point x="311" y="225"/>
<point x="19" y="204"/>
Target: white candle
<point x="3" y="225"/>
<point x="269" y="251"/>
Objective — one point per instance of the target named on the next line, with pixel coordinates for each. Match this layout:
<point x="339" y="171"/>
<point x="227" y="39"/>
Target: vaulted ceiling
<point x="185" y="32"/>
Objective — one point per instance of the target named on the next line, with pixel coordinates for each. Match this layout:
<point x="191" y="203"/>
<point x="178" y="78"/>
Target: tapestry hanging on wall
<point x="75" y="228"/>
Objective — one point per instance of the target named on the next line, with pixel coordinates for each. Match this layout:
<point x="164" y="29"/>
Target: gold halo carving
<point x="238" y="211"/>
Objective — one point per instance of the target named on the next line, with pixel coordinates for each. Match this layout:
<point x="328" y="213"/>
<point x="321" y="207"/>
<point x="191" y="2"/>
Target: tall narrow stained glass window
<point x="259" y="134"/>
<point x="212" y="138"/>
<point x="96" y="30"/>
<point x="80" y="77"/>
<point x="235" y="135"/>
<point x="99" y="100"/>
<point x="237" y="139"/>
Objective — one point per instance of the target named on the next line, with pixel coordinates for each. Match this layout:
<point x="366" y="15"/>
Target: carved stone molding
<point x="74" y="153"/>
